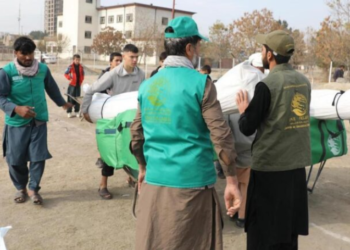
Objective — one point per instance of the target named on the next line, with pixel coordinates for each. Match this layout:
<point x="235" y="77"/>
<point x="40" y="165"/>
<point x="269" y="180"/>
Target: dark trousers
<point x="20" y="175"/>
<point x="255" y="242"/>
<point x="107" y="171"/>
<point x="75" y="92"/>
<point x="277" y="209"/>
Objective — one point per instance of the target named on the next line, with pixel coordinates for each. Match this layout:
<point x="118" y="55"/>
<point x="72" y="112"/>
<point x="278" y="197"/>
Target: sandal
<point x="131" y="182"/>
<point x="21" y="196"/>
<point x="105" y="194"/>
<point x="36" y="199"/>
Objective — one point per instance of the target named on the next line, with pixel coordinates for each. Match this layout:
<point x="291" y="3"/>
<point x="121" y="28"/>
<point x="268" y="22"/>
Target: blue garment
<point x="26" y="143"/>
<point x="19" y="175"/>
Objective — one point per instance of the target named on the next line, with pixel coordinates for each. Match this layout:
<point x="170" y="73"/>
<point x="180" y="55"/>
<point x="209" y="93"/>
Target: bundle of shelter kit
<point x="115" y="114"/>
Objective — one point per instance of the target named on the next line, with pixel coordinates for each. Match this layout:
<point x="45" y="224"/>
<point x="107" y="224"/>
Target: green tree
<point x="37" y="35"/>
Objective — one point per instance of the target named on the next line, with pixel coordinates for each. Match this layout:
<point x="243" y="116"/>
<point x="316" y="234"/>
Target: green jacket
<point x="27" y="91"/>
<point x="283" y="139"/>
<point x="177" y="148"/>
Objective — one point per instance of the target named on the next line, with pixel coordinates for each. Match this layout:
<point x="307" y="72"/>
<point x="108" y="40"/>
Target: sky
<point x="299" y="14"/>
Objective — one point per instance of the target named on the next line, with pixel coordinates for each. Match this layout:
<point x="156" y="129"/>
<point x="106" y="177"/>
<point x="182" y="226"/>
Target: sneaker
<point x="69" y="115"/>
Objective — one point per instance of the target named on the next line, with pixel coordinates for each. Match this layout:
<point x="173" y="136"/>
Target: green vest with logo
<point x="283" y="139"/>
<point x="27" y="91"/>
<point x="177" y="149"/>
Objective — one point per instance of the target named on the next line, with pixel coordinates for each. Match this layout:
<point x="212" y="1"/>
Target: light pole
<point x="173" y="12"/>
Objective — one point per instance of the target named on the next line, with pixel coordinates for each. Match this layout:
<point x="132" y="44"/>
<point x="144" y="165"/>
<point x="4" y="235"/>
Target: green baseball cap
<point x="279" y="41"/>
<point x="184" y="26"/>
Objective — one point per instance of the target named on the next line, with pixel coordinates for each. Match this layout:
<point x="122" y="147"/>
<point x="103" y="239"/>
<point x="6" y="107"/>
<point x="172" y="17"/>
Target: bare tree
<point x="107" y="41"/>
<point x="62" y="42"/>
<point x="219" y="45"/>
<point x="244" y="30"/>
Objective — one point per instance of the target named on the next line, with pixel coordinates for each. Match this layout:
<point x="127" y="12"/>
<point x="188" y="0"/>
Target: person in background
<point x="23" y="84"/>
<point x="162" y="57"/>
<point x="75" y="74"/>
<point x="206" y="70"/>
<point x="115" y="59"/>
<point x="339" y="73"/>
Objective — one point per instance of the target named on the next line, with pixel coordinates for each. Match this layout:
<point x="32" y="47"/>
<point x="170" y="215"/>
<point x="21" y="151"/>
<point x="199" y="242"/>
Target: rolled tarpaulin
<point x="328" y="104"/>
<point x="104" y="106"/>
<point x="241" y="77"/>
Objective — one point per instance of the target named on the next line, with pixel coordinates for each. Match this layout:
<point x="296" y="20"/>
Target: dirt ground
<point x="74" y="216"/>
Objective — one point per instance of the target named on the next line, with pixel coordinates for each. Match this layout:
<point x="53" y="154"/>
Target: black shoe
<point x="240" y="222"/>
<point x="99" y="163"/>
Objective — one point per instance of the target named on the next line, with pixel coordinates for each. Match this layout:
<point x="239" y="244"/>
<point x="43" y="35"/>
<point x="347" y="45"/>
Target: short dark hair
<point x="278" y="58"/>
<point x="177" y="46"/>
<point x="131" y="48"/>
<point x="163" y="56"/>
<point x="206" y="68"/>
<point x="25" y="45"/>
<point x="114" y="54"/>
<point x="76" y="56"/>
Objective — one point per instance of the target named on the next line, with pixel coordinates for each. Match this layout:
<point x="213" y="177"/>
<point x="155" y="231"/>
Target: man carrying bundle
<point x="177" y="120"/>
<point x="126" y="77"/>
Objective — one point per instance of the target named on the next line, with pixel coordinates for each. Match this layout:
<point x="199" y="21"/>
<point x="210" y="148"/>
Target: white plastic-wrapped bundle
<point x="243" y="76"/>
<point x="104" y="106"/>
<point x="329" y="104"/>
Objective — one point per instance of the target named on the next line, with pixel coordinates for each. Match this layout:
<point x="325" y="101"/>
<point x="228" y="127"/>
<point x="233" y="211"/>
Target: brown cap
<point x="279" y="41"/>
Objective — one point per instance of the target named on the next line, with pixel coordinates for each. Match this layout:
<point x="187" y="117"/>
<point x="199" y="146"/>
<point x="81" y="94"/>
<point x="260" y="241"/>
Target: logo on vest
<point x="17" y="78"/>
<point x="299" y="104"/>
<point x="157" y="93"/>
<point x="334" y="144"/>
<point x="299" y="107"/>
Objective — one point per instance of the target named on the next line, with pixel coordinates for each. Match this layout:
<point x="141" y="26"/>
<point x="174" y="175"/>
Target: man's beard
<point x="265" y="63"/>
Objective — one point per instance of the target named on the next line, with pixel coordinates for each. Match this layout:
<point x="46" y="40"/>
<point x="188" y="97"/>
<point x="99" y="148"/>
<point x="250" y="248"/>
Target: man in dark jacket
<point x="162" y="57"/>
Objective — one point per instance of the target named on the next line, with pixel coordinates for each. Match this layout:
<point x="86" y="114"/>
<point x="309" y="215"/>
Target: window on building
<point x="89" y="1"/>
<point x="128" y="34"/>
<point x="60" y="24"/>
<point x="129" y="18"/>
<point x="111" y="19"/>
<point x="165" y="20"/>
<point x="88" y="19"/>
<point x="87" y="49"/>
<point x="119" y="18"/>
<point x="102" y="20"/>
<point x="88" y="34"/>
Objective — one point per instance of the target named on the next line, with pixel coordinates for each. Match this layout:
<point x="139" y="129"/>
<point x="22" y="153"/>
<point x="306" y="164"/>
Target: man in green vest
<point x="23" y="83"/>
<point x="277" y="208"/>
<point x="177" y="121"/>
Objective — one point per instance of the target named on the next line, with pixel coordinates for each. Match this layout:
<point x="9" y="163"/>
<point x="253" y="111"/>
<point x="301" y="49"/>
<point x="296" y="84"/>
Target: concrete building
<point x="82" y="20"/>
<point x="53" y="8"/>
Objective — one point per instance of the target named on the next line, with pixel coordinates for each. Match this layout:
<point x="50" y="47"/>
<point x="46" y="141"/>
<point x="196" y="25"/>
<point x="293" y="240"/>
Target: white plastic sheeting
<point x="107" y="107"/>
<point x="327" y="104"/>
<point x="3" y="232"/>
<point x="242" y="76"/>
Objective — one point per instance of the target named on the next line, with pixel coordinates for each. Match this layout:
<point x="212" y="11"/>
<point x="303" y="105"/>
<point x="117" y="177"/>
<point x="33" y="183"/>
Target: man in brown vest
<point x="277" y="209"/>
